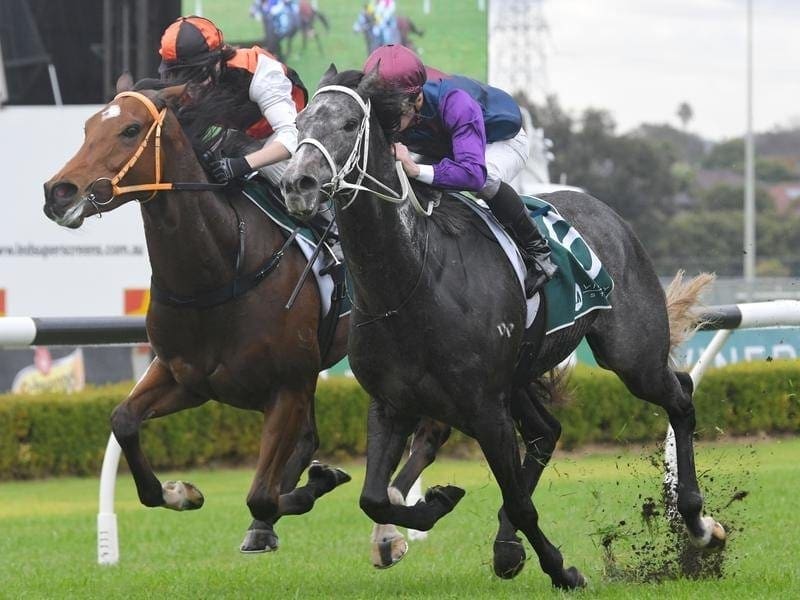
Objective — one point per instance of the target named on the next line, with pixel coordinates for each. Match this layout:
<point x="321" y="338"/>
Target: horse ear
<point x="328" y="75"/>
<point x="172" y="95"/>
<point x="370" y="81"/>
<point x="124" y="83"/>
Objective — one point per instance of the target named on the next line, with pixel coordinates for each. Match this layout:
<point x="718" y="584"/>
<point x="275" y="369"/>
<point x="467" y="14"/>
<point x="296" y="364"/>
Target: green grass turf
<point x="47" y="535"/>
<point x="455" y="35"/>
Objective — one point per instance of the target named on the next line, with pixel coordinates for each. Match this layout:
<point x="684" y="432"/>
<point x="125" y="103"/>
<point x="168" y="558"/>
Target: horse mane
<point x="210" y="122"/>
<point x="205" y="121"/>
<point x="452" y="216"/>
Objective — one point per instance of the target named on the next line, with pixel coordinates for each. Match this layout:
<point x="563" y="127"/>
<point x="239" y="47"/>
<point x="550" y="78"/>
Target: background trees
<point x="682" y="194"/>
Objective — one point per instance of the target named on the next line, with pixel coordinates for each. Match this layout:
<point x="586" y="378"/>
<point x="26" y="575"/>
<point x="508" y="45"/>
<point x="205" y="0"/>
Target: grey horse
<point x="438" y="323"/>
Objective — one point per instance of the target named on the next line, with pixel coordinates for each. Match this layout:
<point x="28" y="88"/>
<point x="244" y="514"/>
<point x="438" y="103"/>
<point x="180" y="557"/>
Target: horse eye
<point x="350" y="125"/>
<point x="131" y="131"/>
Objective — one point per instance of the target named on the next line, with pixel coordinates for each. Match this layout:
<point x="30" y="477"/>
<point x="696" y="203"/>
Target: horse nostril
<point x="62" y="192"/>
<point x="307" y="184"/>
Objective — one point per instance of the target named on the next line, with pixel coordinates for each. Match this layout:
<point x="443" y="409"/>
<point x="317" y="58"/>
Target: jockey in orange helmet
<point x="193" y="51"/>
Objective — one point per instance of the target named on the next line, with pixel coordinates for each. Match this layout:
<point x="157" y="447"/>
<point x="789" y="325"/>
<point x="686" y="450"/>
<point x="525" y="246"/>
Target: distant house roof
<point x="709" y="178"/>
<point x="786" y="197"/>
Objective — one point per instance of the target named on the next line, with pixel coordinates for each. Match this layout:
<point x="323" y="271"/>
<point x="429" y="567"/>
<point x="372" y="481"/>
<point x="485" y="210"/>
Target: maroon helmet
<point x="398" y="66"/>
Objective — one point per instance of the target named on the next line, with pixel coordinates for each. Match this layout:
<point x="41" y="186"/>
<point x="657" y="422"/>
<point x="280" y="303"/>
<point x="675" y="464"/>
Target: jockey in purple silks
<point x="475" y="133"/>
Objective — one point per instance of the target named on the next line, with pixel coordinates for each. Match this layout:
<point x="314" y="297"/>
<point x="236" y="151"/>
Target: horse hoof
<point x="509" y="558"/>
<point x="714" y="537"/>
<point x="572" y="580"/>
<point x="257" y="541"/>
<point x="718" y="537"/>
<point x="447" y="495"/>
<point x="181" y="495"/>
<point x="387" y="553"/>
<point x="332" y="476"/>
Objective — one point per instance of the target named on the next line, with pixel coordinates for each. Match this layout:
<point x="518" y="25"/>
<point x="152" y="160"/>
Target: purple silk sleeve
<point x="463" y="120"/>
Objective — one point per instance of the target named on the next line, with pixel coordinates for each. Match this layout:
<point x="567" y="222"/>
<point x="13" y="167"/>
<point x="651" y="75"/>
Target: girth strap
<point x="238" y="287"/>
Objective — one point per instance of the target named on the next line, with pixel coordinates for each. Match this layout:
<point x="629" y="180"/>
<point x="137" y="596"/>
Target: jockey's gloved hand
<point x="226" y="169"/>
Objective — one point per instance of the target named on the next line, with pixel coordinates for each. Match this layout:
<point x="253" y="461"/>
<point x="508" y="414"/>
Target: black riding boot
<point x="507" y="206"/>
<point x="319" y="223"/>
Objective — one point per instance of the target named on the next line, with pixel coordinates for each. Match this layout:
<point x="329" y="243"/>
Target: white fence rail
<point x="21" y="332"/>
<point x="26" y="331"/>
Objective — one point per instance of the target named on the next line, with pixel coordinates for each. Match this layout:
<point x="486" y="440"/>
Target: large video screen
<point x="450" y="35"/>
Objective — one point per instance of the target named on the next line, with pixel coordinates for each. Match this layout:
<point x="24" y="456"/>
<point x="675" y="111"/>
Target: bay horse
<point x="221" y="275"/>
<point x="286" y="23"/>
<point x="438" y="319"/>
<point x="307" y="26"/>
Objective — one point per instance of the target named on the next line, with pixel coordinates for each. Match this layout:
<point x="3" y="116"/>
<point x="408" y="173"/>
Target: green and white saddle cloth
<point x="581" y="285"/>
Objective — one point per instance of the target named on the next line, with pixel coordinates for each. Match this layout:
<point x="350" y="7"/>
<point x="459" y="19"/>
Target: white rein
<point x="360" y="153"/>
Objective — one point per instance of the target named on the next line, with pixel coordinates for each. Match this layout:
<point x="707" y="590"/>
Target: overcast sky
<point x="642" y="58"/>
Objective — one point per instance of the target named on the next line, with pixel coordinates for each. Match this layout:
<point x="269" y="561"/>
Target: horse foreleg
<point x="540" y="432"/>
<point x="289" y="39"/>
<point x="260" y="536"/>
<point x="497" y="438"/>
<point x="388" y="543"/>
<point x="284" y="417"/>
<point x="386" y="438"/>
<point x="304" y="34"/>
<point x="155" y="395"/>
<point x="321" y="478"/>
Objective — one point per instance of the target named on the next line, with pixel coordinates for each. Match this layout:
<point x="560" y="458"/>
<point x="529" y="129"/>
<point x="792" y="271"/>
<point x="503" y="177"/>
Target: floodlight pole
<point x="3" y="87"/>
<point x="749" y="190"/>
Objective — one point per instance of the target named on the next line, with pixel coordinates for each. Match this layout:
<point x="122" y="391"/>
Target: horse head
<point x="122" y="145"/>
<point x="335" y="138"/>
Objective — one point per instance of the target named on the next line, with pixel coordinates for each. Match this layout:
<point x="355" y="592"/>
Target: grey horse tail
<point x="684" y="306"/>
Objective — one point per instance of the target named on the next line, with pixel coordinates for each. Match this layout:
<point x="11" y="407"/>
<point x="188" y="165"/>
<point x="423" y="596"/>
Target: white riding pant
<point x="504" y="161"/>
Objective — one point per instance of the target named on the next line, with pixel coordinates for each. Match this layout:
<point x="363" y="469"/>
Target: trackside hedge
<point x="52" y="434"/>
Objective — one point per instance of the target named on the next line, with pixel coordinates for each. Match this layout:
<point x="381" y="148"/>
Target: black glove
<point x="226" y="169"/>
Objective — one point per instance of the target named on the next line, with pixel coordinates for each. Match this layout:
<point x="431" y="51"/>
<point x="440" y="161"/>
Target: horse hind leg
<point x="156" y="394"/>
<point x="540" y="432"/>
<point x="704" y="531"/>
<point x="389" y="545"/>
<point x="647" y="376"/>
<point x="497" y="439"/>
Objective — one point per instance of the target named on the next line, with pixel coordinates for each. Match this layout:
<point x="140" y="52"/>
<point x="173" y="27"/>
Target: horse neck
<point x="384" y="242"/>
<point x="192" y="237"/>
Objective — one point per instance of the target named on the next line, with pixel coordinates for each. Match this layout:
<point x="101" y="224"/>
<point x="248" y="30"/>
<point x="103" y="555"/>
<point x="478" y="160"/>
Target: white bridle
<point x="358" y="160"/>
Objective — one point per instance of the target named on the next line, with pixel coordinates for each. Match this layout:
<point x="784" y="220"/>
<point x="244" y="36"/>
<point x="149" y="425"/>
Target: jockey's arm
<point x="272" y="91"/>
<point x="462" y="118"/>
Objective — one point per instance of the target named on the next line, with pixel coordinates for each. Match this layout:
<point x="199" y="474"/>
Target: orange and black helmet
<point x="189" y="42"/>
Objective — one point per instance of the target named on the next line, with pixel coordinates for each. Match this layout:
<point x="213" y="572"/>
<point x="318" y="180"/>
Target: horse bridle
<point x="157" y="185"/>
<point x="360" y="152"/>
<point x="357" y="160"/>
